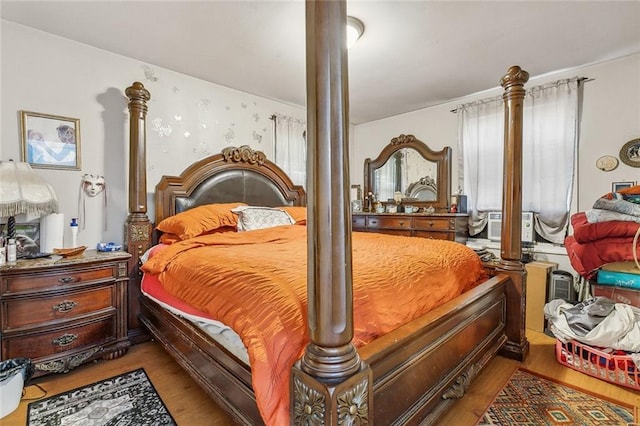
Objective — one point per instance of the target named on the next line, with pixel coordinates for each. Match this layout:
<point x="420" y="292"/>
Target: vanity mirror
<point x="409" y="166"/>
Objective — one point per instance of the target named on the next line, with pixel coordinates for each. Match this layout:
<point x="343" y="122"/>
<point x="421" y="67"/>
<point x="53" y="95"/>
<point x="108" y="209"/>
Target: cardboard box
<point x="618" y="294"/>
<point x="538" y="275"/>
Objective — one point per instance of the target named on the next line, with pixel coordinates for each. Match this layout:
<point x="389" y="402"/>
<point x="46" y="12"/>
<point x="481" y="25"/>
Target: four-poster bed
<point x="408" y="376"/>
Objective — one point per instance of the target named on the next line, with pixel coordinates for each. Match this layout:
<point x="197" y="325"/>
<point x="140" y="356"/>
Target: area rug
<point x="127" y="399"/>
<point x="529" y="399"/>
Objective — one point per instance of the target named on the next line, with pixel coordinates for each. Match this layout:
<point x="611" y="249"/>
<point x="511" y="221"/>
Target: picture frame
<point x="50" y="141"/>
<point x="617" y="186"/>
<point x="27" y="237"/>
<point x="630" y="153"/>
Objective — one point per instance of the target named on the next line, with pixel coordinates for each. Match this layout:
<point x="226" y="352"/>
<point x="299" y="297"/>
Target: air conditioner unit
<point x="494" y="226"/>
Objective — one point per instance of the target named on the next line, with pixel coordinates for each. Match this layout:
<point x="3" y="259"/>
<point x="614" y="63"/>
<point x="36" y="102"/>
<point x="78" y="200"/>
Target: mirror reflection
<point x="408" y="172"/>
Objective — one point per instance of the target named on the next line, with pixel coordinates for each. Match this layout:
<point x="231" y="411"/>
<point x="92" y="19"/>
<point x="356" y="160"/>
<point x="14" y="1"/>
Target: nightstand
<point x="62" y="312"/>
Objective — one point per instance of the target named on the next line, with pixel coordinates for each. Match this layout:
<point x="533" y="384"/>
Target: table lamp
<point x="22" y="191"/>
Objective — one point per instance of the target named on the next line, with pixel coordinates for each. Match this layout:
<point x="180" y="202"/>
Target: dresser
<point x="62" y="312"/>
<point x="442" y="226"/>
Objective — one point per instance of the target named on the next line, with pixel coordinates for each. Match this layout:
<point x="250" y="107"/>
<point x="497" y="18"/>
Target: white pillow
<point x="251" y="218"/>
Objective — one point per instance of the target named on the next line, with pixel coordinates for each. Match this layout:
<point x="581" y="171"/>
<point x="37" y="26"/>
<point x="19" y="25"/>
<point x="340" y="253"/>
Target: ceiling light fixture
<point x="355" y="29"/>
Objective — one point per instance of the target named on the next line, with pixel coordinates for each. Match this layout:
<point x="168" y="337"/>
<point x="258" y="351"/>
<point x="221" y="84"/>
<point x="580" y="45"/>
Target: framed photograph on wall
<point x="617" y="186"/>
<point x="50" y="141"/>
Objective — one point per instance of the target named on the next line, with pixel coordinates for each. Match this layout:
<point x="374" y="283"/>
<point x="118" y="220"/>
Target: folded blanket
<point x="588" y="257"/>
<point x="600" y="215"/>
<point x="631" y="194"/>
<point x="585" y="231"/>
<point x="620" y="206"/>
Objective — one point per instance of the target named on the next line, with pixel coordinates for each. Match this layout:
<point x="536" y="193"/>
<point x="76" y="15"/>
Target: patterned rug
<point x="528" y="399"/>
<point x="127" y="399"/>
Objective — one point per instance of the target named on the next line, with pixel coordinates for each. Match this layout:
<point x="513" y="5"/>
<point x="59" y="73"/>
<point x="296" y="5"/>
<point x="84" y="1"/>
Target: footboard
<point x="418" y="369"/>
<point x="422" y="367"/>
<point x="225" y="379"/>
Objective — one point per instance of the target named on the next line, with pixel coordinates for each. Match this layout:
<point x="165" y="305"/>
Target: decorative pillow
<point x="169" y="239"/>
<point x="251" y="218"/>
<point x="297" y="213"/>
<point x="200" y="220"/>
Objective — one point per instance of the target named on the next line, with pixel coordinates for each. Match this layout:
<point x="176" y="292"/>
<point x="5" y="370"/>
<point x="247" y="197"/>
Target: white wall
<point x="188" y="119"/>
<point x="45" y="73"/>
<point x="611" y="117"/>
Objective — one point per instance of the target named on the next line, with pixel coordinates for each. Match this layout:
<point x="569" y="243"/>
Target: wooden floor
<point x="191" y="407"/>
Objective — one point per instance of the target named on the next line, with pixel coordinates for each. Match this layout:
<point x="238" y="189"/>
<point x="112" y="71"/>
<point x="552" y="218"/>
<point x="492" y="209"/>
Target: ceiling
<point x="413" y="54"/>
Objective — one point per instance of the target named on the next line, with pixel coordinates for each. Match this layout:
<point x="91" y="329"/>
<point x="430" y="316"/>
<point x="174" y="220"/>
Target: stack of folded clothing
<point x="606" y="233"/>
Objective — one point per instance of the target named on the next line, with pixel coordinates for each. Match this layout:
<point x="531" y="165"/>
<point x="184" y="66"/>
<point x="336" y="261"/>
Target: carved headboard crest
<point x="403" y="139"/>
<point x="244" y="153"/>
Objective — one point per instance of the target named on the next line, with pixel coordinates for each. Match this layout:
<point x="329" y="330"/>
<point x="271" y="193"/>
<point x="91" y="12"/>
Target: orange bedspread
<point x="255" y="282"/>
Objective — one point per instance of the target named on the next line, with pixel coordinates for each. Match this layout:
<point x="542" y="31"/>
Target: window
<point x="550" y="140"/>
<point x="290" y="146"/>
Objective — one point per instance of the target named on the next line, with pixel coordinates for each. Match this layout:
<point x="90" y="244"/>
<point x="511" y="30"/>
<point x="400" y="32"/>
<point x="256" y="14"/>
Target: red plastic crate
<point x="618" y="369"/>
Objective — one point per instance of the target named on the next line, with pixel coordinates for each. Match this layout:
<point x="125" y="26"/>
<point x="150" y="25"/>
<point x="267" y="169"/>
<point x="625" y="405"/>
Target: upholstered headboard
<point x="237" y="174"/>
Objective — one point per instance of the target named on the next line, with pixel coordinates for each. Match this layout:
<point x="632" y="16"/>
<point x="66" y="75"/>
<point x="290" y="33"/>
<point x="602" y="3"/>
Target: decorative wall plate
<point x="606" y="163"/>
<point x="630" y="153"/>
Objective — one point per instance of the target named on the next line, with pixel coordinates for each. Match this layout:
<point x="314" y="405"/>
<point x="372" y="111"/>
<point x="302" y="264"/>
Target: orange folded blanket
<point x="256" y="282"/>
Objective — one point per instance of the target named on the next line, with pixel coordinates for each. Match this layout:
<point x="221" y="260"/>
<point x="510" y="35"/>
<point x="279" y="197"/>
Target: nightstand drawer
<point x="49" y="279"/>
<point x="37" y="345"/>
<point x="30" y="312"/>
<point x="434" y="224"/>
<point x="388" y="222"/>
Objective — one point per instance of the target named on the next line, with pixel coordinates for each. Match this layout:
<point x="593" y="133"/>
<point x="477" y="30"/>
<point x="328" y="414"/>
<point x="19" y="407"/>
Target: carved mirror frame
<point x="441" y="158"/>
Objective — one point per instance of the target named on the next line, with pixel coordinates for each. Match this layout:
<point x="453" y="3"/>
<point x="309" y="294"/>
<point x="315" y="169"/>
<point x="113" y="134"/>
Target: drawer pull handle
<point x="65" y="339"/>
<point x="430" y="223"/>
<point x="65" y="280"/>
<point x="401" y="223"/>
<point x="65" y="306"/>
<point x="374" y="222"/>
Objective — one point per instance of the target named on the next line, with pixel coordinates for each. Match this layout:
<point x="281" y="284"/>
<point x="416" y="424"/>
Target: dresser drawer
<point x="388" y="222"/>
<point x="435" y="235"/>
<point x="38" y="345"/>
<point x="49" y="279"/>
<point x="50" y="309"/>
<point x="434" y="223"/>
<point x="358" y="222"/>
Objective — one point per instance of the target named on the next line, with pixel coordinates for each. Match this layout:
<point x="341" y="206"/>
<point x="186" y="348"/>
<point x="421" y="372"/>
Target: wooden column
<point x="517" y="346"/>
<point x="329" y="384"/>
<point x="138" y="228"/>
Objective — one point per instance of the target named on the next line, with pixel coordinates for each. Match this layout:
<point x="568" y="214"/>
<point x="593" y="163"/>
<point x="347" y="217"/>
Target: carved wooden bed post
<point x="138" y="229"/>
<point x="329" y="384"/>
<point x="517" y="346"/>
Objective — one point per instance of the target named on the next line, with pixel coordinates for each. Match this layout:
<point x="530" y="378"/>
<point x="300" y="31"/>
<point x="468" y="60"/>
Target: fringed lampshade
<point x="22" y="191"/>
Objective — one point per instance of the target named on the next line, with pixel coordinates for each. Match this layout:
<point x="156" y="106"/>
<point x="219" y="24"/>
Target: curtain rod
<point x="580" y="80"/>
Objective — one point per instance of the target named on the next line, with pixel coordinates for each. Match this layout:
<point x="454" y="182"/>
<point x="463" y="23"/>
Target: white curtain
<point x="290" y="147"/>
<point x="550" y="140"/>
<point x="550" y="143"/>
<point x="480" y="143"/>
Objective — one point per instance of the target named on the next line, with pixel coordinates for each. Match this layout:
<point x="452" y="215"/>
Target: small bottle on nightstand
<point x="74" y="232"/>
<point x="12" y="251"/>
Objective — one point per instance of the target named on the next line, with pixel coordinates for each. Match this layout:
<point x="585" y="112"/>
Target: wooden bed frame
<point x="409" y="376"/>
